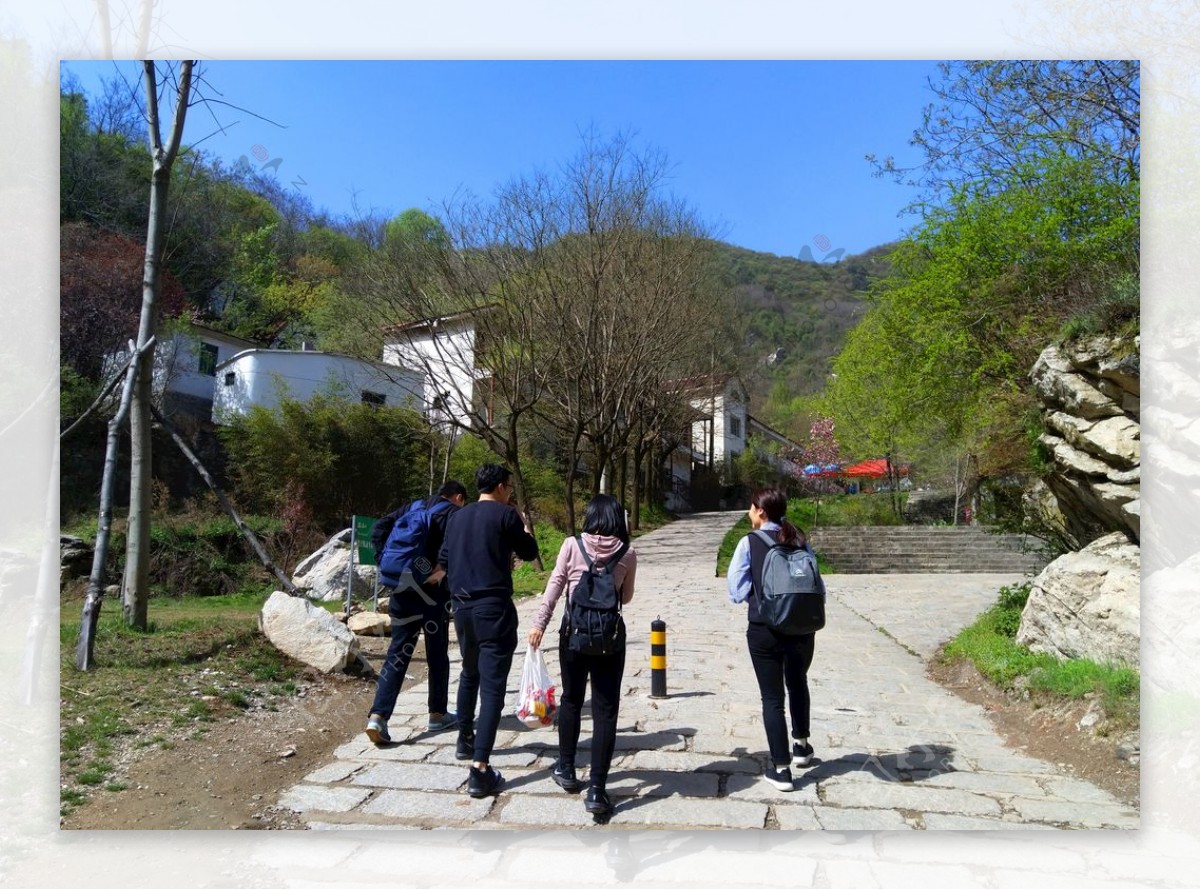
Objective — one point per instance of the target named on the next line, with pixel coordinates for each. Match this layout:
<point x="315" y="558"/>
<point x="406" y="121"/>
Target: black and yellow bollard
<point x="658" y="658"/>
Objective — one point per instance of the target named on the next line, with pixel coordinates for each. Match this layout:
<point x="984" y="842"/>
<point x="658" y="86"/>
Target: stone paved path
<point x="894" y="749"/>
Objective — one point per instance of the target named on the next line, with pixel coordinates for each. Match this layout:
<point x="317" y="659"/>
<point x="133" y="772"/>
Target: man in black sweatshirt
<point x="477" y="555"/>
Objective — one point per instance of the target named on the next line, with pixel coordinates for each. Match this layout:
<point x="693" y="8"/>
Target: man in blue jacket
<point x="418" y="601"/>
<point x="482" y="540"/>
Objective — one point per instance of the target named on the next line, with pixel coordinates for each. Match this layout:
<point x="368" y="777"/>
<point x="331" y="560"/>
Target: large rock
<point x="1090" y="395"/>
<point x="370" y="624"/>
<point x="323" y="574"/>
<point x="1088" y="604"/>
<point x="1060" y="386"/>
<point x="74" y="557"/>
<point x="307" y="633"/>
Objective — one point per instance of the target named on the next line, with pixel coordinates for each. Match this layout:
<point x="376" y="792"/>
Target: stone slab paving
<point x="895" y="751"/>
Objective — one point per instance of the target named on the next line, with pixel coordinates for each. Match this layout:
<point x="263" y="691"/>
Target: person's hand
<point x="535" y="638"/>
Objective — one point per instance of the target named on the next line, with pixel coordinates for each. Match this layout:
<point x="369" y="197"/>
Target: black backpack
<point x="594" y="623"/>
<point x="791" y="596"/>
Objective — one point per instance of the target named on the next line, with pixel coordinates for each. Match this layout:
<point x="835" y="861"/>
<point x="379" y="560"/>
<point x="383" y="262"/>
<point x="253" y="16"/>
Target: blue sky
<point x="771" y="154"/>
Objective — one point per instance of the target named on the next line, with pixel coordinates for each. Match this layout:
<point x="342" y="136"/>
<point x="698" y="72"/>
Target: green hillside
<point x="796" y="315"/>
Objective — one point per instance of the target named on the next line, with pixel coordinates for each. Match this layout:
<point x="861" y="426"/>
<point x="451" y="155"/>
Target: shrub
<point x="336" y="458"/>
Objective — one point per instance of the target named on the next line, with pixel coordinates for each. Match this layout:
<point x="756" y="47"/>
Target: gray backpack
<point x="792" y="597"/>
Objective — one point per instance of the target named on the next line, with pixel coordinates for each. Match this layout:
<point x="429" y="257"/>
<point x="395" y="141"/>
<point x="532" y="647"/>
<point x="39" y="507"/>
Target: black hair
<point x="452" y="487"/>
<point x="606" y="516"/>
<point x="773" y="503"/>
<point x="489" y="476"/>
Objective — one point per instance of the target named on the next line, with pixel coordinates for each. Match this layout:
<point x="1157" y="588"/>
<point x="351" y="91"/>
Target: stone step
<point x="922" y="549"/>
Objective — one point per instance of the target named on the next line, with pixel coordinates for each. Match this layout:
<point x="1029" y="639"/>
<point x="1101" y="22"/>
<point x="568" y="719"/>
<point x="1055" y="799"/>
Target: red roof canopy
<point x="874" y="469"/>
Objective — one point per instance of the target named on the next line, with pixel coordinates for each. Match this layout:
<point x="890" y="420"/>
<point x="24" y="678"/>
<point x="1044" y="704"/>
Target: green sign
<point x="362" y="539"/>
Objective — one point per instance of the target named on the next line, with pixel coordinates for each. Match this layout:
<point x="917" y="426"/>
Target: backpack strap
<point x="765" y="538"/>
<point x="587" y="556"/>
<point x="611" y="565"/>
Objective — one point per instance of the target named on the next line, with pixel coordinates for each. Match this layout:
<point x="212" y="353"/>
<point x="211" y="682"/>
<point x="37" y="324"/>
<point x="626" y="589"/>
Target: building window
<point x="208" y="359"/>
<point x="230" y="378"/>
<point x="735" y="426"/>
<point x="374" y="399"/>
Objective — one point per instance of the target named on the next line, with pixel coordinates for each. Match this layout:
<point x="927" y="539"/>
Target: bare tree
<point x="137" y="551"/>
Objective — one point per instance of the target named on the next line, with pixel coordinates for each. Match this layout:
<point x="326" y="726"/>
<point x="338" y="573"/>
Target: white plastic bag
<point x="536" y="704"/>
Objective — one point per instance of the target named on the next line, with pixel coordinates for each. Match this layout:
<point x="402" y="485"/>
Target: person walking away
<point x="603" y="548"/>
<point x="477" y="556"/>
<point x="417" y="602"/>
<point x="781" y="662"/>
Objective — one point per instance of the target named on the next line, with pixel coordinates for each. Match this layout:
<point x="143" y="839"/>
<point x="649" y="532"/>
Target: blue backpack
<point x="405" y="550"/>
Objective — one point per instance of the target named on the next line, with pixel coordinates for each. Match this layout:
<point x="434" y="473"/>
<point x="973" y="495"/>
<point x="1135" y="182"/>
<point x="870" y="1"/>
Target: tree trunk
<point x="635" y="515"/>
<point x="572" y="460"/>
<point x="84" y="649"/>
<point x="137" y="548"/>
<point x="622" y="475"/>
<point x="247" y="532"/>
<point x="519" y="490"/>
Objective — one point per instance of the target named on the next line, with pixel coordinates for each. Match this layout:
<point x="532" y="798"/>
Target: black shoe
<point x="465" y="750"/>
<point x="802" y="755"/>
<point x="597" y="802"/>
<point x="780" y="778"/>
<point x="484" y="782"/>
<point x="564" y="777"/>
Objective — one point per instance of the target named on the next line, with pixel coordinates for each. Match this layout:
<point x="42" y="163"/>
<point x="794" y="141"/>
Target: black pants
<point x="781" y="662"/>
<point x="487" y="638"/>
<point x="605" y="672"/>
<point x="413" y="612"/>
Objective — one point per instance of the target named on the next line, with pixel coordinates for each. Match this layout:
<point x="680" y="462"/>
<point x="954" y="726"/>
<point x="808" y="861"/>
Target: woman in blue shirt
<point x="780" y="662"/>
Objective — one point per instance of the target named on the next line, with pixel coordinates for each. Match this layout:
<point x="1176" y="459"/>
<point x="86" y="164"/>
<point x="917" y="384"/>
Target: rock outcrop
<point x="1087" y="604"/>
<point x="322" y="575"/>
<point x="74" y="557"/>
<point x="1091" y="398"/>
<point x="308" y="633"/>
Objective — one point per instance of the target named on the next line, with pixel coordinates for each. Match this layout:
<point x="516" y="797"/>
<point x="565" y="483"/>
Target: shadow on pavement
<point x="914" y="764"/>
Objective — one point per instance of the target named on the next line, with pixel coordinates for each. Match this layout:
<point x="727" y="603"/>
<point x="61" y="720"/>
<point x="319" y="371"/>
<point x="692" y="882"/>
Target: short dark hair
<point x="489" y="476"/>
<point x="606" y="516"/>
<point x="452" y="487"/>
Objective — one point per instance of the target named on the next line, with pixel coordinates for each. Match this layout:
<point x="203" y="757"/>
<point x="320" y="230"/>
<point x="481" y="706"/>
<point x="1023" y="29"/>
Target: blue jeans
<point x="412" y="613"/>
<point x="487" y="639"/>
<point x="781" y="662"/>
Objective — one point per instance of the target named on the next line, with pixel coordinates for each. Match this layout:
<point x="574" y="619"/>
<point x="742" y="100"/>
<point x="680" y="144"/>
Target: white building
<point x="442" y="351"/>
<point x="268" y="376"/>
<point x="185" y="367"/>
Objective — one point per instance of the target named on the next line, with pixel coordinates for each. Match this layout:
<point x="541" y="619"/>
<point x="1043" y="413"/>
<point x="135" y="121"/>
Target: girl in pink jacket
<point x="604" y="536"/>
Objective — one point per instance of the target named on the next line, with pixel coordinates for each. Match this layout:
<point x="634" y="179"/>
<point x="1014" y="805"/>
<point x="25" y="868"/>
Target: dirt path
<point x="232" y="775"/>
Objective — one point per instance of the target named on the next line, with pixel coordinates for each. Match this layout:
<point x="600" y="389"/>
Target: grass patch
<point x="146" y="684"/>
<point x="725" y="552"/>
<point x="845" y="510"/>
<point x="990" y="644"/>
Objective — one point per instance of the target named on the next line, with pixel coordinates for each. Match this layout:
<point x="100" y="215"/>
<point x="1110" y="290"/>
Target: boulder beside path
<point x="308" y="633"/>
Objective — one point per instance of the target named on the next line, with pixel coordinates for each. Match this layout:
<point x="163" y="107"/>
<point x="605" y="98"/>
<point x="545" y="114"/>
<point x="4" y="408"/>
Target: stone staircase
<point x="909" y="549"/>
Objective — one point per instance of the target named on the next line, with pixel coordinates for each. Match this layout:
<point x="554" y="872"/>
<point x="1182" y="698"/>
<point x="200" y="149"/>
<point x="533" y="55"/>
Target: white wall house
<point x="268" y="376"/>
<point x="442" y="351"/>
<point x="185" y="367"/>
<point x="720" y="425"/>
